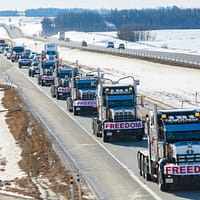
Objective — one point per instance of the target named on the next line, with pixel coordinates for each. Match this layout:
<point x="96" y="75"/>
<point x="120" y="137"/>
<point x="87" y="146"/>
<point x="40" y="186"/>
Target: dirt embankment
<point x="42" y="166"/>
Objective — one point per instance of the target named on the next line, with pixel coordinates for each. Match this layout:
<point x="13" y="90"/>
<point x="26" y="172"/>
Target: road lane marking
<point x="130" y="172"/>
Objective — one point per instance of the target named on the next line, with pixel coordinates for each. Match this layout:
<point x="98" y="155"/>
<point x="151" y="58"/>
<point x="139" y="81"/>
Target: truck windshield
<point x="18" y="49"/>
<point x="85" y="86"/>
<point x="183" y="136"/>
<point x="182" y="132"/>
<point x="48" y="66"/>
<point x="51" y="52"/>
<point x="64" y="74"/>
<point x="119" y="103"/>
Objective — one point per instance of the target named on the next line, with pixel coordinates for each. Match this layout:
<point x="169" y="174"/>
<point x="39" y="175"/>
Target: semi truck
<point x="172" y="158"/>
<point x="61" y="88"/>
<point x="17" y="52"/>
<point x="50" y="52"/>
<point x="117" y="111"/>
<point x="46" y="77"/>
<point x="83" y="99"/>
<point x="61" y="35"/>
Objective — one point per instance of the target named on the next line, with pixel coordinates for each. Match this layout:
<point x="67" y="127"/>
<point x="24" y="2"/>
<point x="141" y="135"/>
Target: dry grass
<point x="39" y="160"/>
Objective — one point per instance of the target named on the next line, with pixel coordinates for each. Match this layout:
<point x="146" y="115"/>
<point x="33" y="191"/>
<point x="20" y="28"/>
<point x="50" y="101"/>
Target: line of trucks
<point x="172" y="157"/>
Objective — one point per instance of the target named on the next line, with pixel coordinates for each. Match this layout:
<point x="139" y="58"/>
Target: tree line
<point x="132" y="25"/>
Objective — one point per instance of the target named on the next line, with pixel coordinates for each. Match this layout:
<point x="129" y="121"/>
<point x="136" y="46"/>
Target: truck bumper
<point x="126" y="133"/>
<point x="183" y="180"/>
<point x="62" y="95"/>
<point x="85" y="110"/>
<point x="47" y="82"/>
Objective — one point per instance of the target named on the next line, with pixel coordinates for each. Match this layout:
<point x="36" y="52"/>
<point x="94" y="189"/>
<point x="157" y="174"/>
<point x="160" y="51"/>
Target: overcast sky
<point x="96" y="4"/>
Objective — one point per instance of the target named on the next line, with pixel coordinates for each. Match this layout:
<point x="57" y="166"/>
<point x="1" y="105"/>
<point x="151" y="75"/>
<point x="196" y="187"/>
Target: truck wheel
<point x="69" y="108"/>
<point x="38" y="81"/>
<point x="148" y="177"/>
<point x="96" y="132"/>
<point x="57" y="97"/>
<point x="162" y="186"/>
<point x="52" y="94"/>
<point x="105" y="137"/>
<point x="99" y="134"/>
<point x="75" y="112"/>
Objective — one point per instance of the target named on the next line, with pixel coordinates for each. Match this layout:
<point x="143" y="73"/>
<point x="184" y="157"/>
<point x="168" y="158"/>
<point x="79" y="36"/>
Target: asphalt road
<point x="106" y="173"/>
<point x="111" y="168"/>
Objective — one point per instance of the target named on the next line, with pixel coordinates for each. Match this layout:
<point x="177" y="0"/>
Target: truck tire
<point x="96" y="131"/>
<point x="38" y="80"/>
<point x="139" y="159"/>
<point x="148" y="177"/>
<point x="57" y="96"/>
<point x="162" y="186"/>
<point x="75" y="112"/>
<point x="105" y="137"/>
<point x="99" y="134"/>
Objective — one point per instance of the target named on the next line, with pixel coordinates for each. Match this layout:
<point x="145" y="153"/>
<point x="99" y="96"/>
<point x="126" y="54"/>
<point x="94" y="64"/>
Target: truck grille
<point x="123" y="116"/>
<point x="188" y="159"/>
<point x="89" y="96"/>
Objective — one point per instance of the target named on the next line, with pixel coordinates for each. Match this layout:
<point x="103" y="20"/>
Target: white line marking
<point x="130" y="172"/>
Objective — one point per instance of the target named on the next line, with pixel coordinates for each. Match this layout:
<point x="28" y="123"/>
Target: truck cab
<point x="173" y="148"/>
<point x="117" y="114"/>
<point x="61" y="88"/>
<point x="46" y="77"/>
<point x="83" y="99"/>
<point x="50" y="52"/>
<point x="17" y="52"/>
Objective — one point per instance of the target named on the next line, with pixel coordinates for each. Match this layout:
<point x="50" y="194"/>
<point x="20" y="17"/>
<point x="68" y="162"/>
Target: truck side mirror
<point x="140" y="100"/>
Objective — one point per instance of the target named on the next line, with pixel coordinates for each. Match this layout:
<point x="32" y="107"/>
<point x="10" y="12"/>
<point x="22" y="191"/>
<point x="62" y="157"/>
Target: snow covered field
<point x="172" y="85"/>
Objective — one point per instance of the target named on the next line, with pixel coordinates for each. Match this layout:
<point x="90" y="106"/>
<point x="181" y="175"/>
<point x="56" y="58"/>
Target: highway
<point x="110" y="168"/>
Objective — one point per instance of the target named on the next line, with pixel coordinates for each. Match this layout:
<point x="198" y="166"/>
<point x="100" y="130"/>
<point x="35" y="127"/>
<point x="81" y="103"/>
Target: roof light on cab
<point x="107" y="90"/>
<point x="164" y="116"/>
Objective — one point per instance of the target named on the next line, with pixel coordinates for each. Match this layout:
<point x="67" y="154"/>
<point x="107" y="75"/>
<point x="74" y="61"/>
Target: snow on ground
<point x="10" y="152"/>
<point x="173" y="85"/>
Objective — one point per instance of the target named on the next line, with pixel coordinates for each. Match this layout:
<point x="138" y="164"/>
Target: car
<point x="1" y="50"/>
<point x="110" y="45"/>
<point x="32" y="54"/>
<point x="27" y="52"/>
<point x="8" y="55"/>
<point x="17" y="52"/>
<point x="37" y="57"/>
<point x="34" y="69"/>
<point x="121" y="46"/>
<point x="84" y="43"/>
<point x="24" y="61"/>
<point x="2" y="47"/>
<point x="6" y="50"/>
